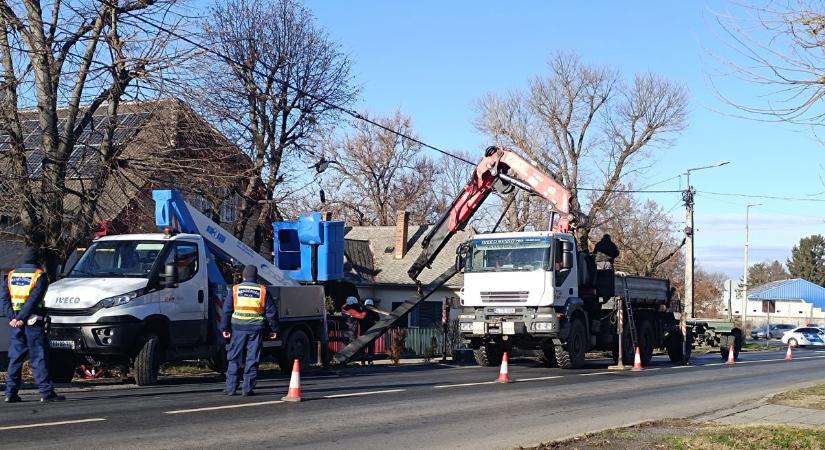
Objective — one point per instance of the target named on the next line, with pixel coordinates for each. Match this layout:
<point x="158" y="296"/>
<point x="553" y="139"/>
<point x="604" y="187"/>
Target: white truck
<point x="137" y="300"/>
<point x="534" y="290"/>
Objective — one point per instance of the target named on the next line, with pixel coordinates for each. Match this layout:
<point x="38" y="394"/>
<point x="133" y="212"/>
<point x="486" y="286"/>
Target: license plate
<point x="68" y="345"/>
<point x="504" y="310"/>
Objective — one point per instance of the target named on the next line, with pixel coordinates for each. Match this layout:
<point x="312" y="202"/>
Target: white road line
<point x="597" y="373"/>
<point x="464" y="384"/>
<point x="538" y="378"/>
<point x="215" y="408"/>
<point x="358" y="394"/>
<point x="50" y="424"/>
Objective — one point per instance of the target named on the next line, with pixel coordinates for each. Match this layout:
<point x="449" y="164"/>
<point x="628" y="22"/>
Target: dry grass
<point x="812" y="397"/>
<point x="687" y="435"/>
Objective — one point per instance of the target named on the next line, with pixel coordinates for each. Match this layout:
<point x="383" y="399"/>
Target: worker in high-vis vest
<point x="246" y="318"/>
<point x="21" y="297"/>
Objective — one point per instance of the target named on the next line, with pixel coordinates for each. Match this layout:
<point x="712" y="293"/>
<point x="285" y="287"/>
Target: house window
<point x="229" y="210"/>
<point x="426" y="314"/>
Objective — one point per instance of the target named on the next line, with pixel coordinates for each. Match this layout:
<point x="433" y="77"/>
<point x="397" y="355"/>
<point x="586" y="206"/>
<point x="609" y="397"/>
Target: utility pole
<point x="745" y="275"/>
<point x="689" y="305"/>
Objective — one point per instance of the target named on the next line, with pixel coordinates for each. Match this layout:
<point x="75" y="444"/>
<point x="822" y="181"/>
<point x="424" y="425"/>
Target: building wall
<point x="385" y="297"/>
<point x="792" y="312"/>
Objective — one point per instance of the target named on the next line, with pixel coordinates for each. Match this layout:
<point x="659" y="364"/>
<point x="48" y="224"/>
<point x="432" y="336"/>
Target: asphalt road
<point x="422" y="406"/>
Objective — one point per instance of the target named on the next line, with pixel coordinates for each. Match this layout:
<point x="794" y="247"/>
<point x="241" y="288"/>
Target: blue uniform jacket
<point x="270" y="311"/>
<point x="32" y="305"/>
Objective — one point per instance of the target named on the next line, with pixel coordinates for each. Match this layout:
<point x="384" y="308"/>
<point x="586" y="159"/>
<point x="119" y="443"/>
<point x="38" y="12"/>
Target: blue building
<point x="797" y="302"/>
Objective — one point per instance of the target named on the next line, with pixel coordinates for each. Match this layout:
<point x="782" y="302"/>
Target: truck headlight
<point x="543" y="326"/>
<point x="118" y="300"/>
<point x="465" y="326"/>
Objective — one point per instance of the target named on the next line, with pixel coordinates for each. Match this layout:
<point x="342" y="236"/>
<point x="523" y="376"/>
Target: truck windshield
<point x="508" y="255"/>
<point x="117" y="259"/>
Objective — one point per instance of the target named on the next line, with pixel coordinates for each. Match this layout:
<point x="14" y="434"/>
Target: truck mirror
<point x="170" y="276"/>
<point x="567" y="260"/>
<point x="459" y="262"/>
<point x="567" y="246"/>
<point x="460" y="256"/>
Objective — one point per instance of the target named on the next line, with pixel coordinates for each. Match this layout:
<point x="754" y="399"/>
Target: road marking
<point x="215" y="408"/>
<point x="358" y="394"/>
<point x="464" y="384"/>
<point x="538" y="378"/>
<point x="597" y="373"/>
<point x="50" y="424"/>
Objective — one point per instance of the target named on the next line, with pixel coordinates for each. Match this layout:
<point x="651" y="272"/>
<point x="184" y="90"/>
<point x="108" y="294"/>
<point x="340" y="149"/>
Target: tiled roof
<point x="794" y="289"/>
<point x="369" y="256"/>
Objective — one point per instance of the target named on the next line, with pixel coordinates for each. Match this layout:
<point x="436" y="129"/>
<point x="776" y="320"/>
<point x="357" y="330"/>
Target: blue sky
<point x="434" y="59"/>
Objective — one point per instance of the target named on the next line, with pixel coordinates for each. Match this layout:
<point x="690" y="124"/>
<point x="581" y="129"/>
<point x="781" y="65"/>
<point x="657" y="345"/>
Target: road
<point x="422" y="406"/>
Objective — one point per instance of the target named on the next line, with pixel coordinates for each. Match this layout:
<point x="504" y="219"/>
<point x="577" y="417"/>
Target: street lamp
<point x="745" y="275"/>
<point x="688" y="305"/>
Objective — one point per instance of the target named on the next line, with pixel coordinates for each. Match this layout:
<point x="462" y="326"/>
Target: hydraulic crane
<point x="499" y="169"/>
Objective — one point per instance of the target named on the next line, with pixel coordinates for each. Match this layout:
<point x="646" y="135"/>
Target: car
<point x="776" y="331"/>
<point x="803" y="336"/>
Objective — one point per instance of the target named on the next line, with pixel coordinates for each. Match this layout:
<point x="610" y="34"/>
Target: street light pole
<point x="745" y="275"/>
<point x="689" y="304"/>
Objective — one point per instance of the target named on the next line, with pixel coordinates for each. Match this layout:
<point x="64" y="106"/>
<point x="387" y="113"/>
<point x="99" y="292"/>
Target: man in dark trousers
<point x="244" y="320"/>
<point x="606" y="252"/>
<point x="21" y="297"/>
<point x="371" y="317"/>
<point x="354" y="313"/>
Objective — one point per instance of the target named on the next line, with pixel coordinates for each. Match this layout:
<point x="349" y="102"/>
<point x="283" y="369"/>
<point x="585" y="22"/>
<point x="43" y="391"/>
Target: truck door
<point x="565" y="275"/>
<point x="186" y="305"/>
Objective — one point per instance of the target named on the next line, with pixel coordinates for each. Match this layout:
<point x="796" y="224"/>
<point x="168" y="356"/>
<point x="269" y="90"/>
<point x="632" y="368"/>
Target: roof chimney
<point x="402" y="222"/>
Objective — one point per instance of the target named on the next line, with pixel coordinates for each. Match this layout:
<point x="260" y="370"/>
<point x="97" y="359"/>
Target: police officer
<point x="244" y="321"/>
<point x="22" y="300"/>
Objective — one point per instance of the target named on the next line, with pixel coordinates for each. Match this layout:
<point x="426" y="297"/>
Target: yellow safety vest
<point x="249" y="302"/>
<point x="20" y="285"/>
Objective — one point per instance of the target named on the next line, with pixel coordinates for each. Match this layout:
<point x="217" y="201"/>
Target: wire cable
<point x="768" y="197"/>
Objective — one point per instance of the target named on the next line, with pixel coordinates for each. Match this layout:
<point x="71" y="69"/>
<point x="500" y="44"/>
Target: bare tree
<point x="584" y="125"/>
<point x="72" y="64"/>
<point x="273" y="100"/>
<point x="646" y="236"/>
<point x="379" y="172"/>
<point x="777" y="46"/>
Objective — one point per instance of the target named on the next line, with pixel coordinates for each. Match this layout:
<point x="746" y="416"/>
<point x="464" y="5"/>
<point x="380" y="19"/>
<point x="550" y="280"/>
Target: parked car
<point x="803" y="336"/>
<point x="776" y="331"/>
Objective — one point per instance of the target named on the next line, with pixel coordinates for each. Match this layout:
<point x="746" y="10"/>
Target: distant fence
<point x="416" y="344"/>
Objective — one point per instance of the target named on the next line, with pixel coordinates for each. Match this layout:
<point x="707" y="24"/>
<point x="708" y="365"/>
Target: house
<point x="162" y="144"/>
<point x="377" y="259"/>
<point x="796" y="301"/>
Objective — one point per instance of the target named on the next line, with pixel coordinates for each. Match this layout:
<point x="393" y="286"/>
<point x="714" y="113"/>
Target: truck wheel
<point x="62" y="366"/>
<point x="297" y="347"/>
<point x="487" y="355"/>
<point x="147" y="361"/>
<point x="675" y="348"/>
<point x="548" y="355"/>
<point x="571" y="354"/>
<point x="646" y="344"/>
<point x="218" y="361"/>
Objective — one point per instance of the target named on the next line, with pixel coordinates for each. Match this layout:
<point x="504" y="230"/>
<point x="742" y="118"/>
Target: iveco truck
<point x="135" y="301"/>
<point x="535" y="290"/>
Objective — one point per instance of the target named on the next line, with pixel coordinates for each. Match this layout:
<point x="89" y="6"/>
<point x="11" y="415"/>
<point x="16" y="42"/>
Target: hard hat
<point x="352" y="301"/>
<point x="369" y="302"/>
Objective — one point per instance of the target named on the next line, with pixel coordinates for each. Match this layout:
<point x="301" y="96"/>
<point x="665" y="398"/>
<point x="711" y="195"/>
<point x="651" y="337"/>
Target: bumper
<point x="116" y="337"/>
<point x="492" y="321"/>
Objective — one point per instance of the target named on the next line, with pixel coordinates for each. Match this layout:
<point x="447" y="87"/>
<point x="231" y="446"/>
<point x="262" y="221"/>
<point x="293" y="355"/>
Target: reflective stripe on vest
<point x="20" y="284"/>
<point x="249" y="302"/>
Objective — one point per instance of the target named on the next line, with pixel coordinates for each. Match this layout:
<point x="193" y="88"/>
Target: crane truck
<point x="537" y="290"/>
<point x="137" y="300"/>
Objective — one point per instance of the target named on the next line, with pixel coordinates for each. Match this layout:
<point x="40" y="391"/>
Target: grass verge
<point x="812" y="397"/>
<point x="687" y="435"/>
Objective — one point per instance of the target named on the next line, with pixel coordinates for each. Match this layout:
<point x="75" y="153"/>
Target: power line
<point x="298" y="90"/>
<point x="769" y="197"/>
<point x="627" y="191"/>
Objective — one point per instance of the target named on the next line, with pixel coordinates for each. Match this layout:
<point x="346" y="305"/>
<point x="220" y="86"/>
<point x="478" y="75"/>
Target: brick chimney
<point x="402" y="222"/>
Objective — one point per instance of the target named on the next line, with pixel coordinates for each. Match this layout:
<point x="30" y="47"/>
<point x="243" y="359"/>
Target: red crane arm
<point x="498" y="164"/>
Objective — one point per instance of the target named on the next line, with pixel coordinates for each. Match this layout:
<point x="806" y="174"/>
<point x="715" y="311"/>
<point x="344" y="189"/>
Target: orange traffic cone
<point x="294" y="394"/>
<point x="731" y="356"/>
<point x="789" y="353"/>
<point x="637" y="361"/>
<point x="504" y="373"/>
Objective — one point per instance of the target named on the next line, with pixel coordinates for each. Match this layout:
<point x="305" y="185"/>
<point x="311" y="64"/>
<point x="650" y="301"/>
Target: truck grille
<point x="504" y="296"/>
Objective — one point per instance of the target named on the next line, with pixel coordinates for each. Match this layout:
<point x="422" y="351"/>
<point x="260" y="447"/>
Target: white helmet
<point x="352" y="301"/>
<point x="369" y="302"/>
